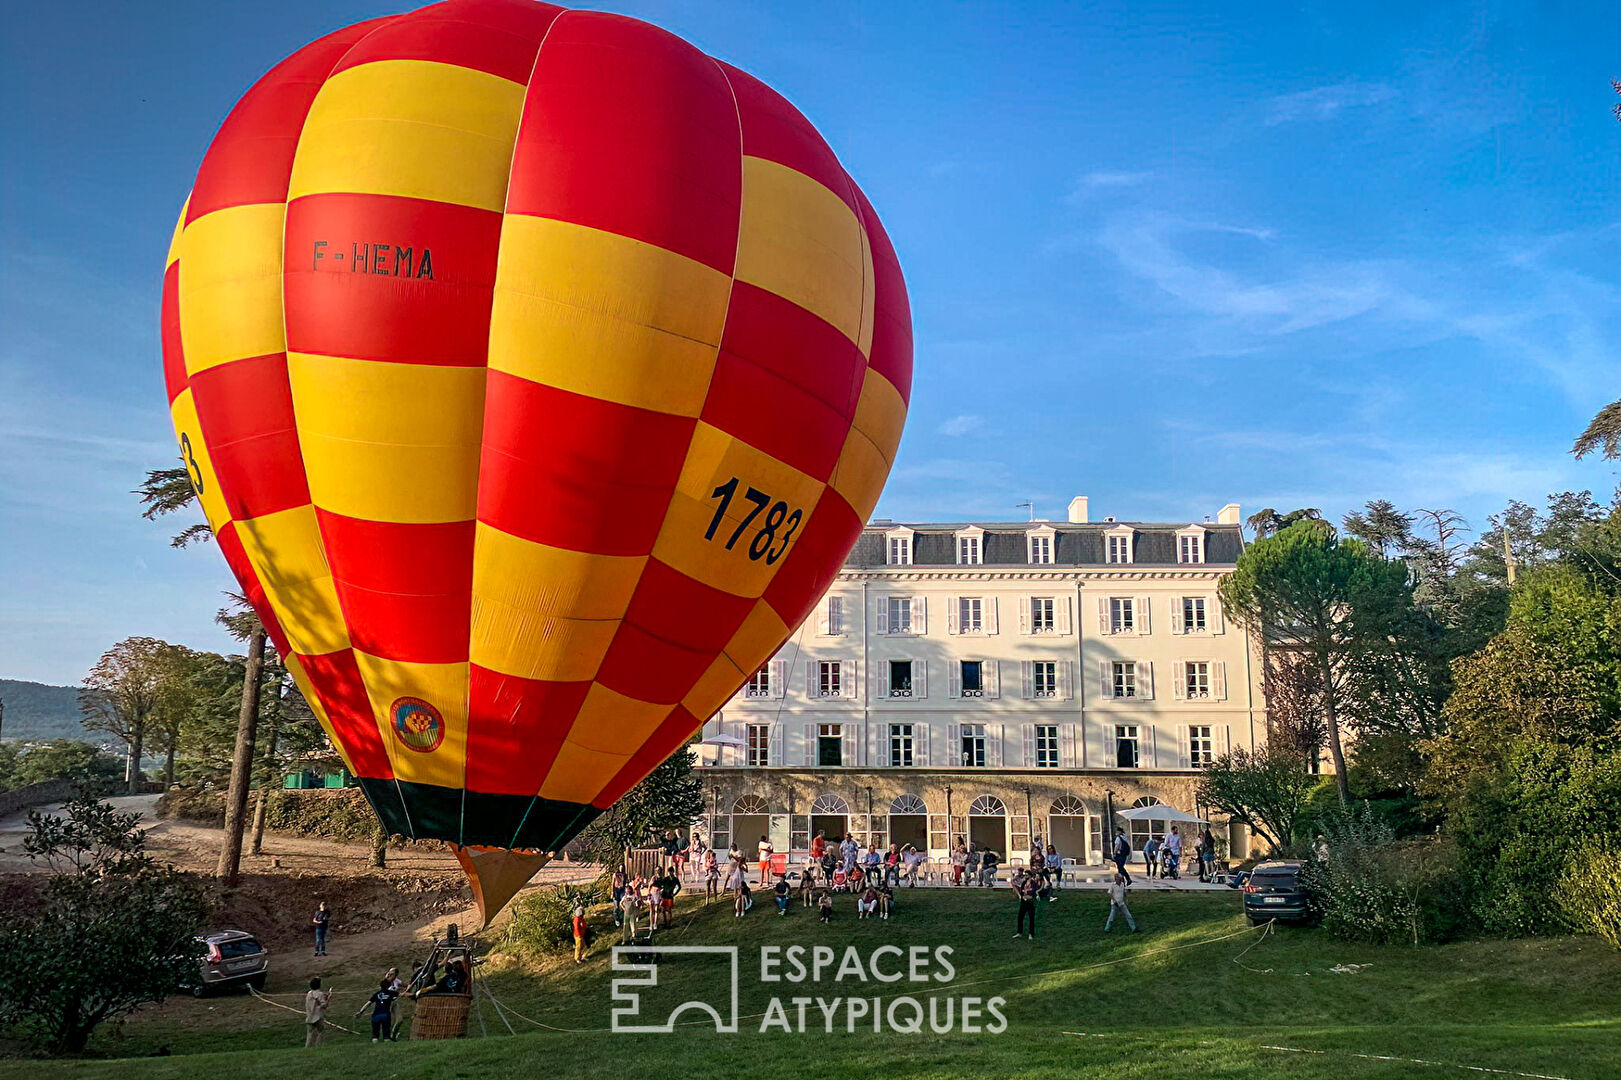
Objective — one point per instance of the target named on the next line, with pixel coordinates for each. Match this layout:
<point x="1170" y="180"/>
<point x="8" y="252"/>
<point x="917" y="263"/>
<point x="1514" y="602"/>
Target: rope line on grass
<point x="954" y="986"/>
<point x="1417" y="1061"/>
<point x="300" y="1012"/>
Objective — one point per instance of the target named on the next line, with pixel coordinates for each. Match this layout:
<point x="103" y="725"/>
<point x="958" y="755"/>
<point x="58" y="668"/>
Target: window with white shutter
<point x="900" y="679"/>
<point x="1046" y="746"/>
<point x="833" y="616"/>
<point x="1065" y="614"/>
<point x="897" y="615"/>
<point x="970" y="615"/>
<point x="779" y="678"/>
<point x="758" y="739"/>
<point x="1218" y="681"/>
<point x="759" y="684"/>
<point x="1126" y="755"/>
<point x="1042" y="618"/>
<point x="1043" y="678"/>
<point x="1201" y="746"/>
<point x="902" y="746"/>
<point x="1144" y="611"/>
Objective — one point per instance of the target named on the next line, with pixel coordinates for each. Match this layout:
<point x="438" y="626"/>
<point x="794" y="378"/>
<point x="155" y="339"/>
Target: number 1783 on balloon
<point x="771" y="536"/>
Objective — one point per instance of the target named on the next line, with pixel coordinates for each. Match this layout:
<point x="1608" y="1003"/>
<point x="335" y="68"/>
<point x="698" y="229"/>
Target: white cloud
<point x="958" y="426"/>
<point x="1324" y="102"/>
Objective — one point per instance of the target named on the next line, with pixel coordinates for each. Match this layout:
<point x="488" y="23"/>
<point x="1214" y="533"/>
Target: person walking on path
<point x="323" y="916"/>
<point x="396" y="984"/>
<point x="381" y="1004"/>
<point x="1117" y="904"/>
<point x="1207" y="855"/>
<point x="1025" y="887"/>
<point x="1122" y="854"/>
<point x="581" y="931"/>
<point x="315" y="1006"/>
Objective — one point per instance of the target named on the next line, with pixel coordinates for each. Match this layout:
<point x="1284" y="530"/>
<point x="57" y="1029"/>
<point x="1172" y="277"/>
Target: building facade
<point x="994" y="682"/>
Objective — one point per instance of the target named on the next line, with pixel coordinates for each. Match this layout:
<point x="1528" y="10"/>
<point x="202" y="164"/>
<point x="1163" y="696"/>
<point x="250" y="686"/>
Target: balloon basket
<point x="441" y="1016"/>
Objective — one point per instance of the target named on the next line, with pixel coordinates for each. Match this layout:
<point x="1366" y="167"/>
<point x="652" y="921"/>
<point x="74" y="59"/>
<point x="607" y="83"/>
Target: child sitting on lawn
<point x="824" y="907"/>
<point x="868" y="903"/>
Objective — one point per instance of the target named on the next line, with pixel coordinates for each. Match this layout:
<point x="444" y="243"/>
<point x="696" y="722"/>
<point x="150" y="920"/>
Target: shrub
<point x="1371" y="888"/>
<point x="542" y="922"/>
<point x="1590" y="891"/>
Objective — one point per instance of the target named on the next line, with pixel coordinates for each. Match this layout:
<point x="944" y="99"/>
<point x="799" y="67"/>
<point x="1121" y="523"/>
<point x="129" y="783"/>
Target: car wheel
<point x="200" y="990"/>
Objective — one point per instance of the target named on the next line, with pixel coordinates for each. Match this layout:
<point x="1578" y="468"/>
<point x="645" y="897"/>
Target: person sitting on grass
<point x="886" y="901"/>
<point x="807" y="884"/>
<point x="841" y="880"/>
<point x="1117" y="904"/>
<point x="868" y="903"/>
<point x="784" y="893"/>
<point x="824" y="907"/>
<point x="744" y="898"/>
<point x="858" y="879"/>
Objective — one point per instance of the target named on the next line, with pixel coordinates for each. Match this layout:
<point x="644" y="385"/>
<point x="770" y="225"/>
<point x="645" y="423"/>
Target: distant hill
<point x="38" y="711"/>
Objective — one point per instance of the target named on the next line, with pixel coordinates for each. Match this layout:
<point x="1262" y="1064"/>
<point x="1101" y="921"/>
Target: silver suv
<point x="231" y="957"/>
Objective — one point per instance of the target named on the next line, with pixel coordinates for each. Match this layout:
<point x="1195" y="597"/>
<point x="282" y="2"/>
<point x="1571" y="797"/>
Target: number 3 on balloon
<point x="788" y="534"/>
<point x="194" y="471"/>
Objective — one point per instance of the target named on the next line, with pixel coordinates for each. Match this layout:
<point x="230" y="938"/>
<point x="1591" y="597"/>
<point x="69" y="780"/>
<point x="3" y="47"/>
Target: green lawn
<point x="1169" y="1001"/>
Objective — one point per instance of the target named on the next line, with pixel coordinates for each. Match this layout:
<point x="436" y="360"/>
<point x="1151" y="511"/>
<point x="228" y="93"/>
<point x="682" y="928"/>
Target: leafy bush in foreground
<point x="542" y="922"/>
<point x="1371" y="888"/>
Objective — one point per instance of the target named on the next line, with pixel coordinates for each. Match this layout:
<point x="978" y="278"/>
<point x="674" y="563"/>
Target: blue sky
<point x="1166" y="255"/>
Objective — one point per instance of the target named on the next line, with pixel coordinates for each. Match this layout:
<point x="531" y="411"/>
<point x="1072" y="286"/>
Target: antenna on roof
<point x="1030" y="506"/>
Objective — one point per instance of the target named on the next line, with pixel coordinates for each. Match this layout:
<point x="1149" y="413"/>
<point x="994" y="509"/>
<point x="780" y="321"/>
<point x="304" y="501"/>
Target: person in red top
<point x="580" y="931"/>
<point x="819" y="846"/>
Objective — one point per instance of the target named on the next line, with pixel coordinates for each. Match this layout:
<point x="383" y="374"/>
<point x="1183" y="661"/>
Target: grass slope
<point x="1165" y="1002"/>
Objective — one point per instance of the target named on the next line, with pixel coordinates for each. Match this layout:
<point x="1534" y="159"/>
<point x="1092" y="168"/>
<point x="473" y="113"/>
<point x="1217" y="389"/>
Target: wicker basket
<point x="441" y="1016"/>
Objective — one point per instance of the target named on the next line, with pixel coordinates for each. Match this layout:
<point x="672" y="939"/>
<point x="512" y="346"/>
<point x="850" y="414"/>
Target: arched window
<point x="751" y="804"/>
<point x="908" y="804"/>
<point x="987" y="806"/>
<point x="1146" y="800"/>
<point x="1068" y="806"/>
<point x="829" y="804"/>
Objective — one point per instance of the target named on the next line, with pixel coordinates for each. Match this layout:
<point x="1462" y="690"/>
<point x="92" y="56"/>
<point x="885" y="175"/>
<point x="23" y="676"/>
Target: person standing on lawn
<point x="323" y="916"/>
<point x="1026" y="886"/>
<point x="1117" y="904"/>
<point x="381" y="1004"/>
<point x="616" y="887"/>
<point x="1122" y="854"/>
<point x="581" y="932"/>
<point x="315" y="1006"/>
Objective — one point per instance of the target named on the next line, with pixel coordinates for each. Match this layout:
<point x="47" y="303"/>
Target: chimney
<point x="1228" y="515"/>
<point x="1078" y="511"/>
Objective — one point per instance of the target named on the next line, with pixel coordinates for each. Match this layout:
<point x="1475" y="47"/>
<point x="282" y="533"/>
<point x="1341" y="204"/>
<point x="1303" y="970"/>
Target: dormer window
<point x="1117" y="546"/>
<point x="899" y="548"/>
<point x="1190" y="545"/>
<point x="970" y="547"/>
<point x="1041" y="546"/>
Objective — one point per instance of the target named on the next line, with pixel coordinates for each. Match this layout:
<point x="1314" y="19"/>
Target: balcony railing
<point x="973" y="693"/>
<point x="899" y="693"/>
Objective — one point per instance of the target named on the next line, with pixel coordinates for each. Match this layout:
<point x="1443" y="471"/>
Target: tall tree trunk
<point x="1331" y="720"/>
<point x="236" y="801"/>
<point x="379" y="846"/>
<point x="168" y="765"/>
<point x="132" y="775"/>
<point x="257" y="845"/>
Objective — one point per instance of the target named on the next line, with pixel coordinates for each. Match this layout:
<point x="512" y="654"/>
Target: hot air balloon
<point x="536" y="373"/>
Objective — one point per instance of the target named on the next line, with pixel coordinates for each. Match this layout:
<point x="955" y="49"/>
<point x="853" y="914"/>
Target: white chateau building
<point x="993" y="681"/>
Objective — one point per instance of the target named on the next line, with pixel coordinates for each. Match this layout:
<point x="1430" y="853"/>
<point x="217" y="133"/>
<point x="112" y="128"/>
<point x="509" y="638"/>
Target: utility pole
<point x="1508" y="555"/>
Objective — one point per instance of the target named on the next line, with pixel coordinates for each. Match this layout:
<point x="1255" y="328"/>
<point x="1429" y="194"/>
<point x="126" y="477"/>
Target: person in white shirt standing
<point x="766" y="851"/>
<point x="315" y="1006"/>
<point x="1117" y="904"/>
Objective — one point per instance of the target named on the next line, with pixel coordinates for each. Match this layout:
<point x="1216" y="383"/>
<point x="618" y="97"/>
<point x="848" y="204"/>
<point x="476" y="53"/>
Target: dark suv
<point x="1277" y="890"/>
<point x="232" y="957"/>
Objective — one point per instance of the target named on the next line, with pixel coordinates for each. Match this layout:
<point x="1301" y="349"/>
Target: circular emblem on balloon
<point x="417" y="724"/>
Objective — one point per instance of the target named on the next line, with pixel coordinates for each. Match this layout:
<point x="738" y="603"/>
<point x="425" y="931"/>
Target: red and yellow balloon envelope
<point x="536" y="373"/>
